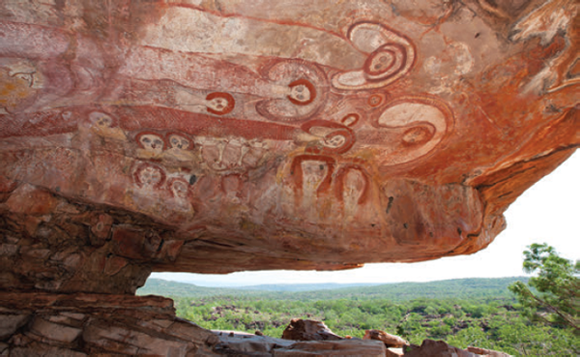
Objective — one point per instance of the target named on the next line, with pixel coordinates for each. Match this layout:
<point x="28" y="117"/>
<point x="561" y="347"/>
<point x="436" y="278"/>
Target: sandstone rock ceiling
<point x="218" y="136"/>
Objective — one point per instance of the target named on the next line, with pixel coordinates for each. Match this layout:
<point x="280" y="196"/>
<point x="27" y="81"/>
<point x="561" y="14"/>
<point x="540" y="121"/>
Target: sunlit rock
<point x="309" y="330"/>
<point x="271" y="139"/>
<point x="221" y="136"/>
<point x="388" y="339"/>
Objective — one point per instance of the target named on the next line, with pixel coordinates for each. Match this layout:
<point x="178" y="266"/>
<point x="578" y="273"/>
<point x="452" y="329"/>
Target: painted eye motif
<point x="375" y="100"/>
<point x="99" y="119"/>
<point x="178" y="142"/>
<point x="300" y="93"/>
<point x="314" y="171"/>
<point x="104" y="122"/>
<point x="220" y="103"/>
<point x="416" y="136"/>
<point x="335" y="141"/>
<point x="151" y="142"/>
<point x="381" y="62"/>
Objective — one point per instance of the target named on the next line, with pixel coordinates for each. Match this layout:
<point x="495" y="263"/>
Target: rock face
<point x="441" y="349"/>
<point x="75" y="325"/>
<point x="42" y="324"/>
<point x="219" y="136"/>
<point x="265" y="136"/>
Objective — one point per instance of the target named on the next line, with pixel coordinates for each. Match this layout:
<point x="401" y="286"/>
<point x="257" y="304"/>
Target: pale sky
<point x="547" y="212"/>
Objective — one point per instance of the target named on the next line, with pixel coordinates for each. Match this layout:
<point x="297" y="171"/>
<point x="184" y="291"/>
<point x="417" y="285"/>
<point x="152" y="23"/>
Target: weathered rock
<point x="54" y="331"/>
<point x="9" y="323"/>
<point x="486" y="352"/>
<point x="43" y="351"/>
<point x="438" y="348"/>
<point x="388" y="339"/>
<point x="215" y="137"/>
<point x="240" y="343"/>
<point x="332" y="348"/>
<point x="394" y="352"/>
<point x="309" y="330"/>
<point x="249" y="148"/>
<point x="115" y="324"/>
<point x="126" y="325"/>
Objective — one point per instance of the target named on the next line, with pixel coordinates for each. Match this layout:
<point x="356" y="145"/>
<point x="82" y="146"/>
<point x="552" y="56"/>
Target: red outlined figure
<point x="302" y="92"/>
<point x="148" y="175"/>
<point x="416" y="136"/>
<point x="220" y="103"/>
<point x="350" y="119"/>
<point x="102" y="120"/>
<point x="423" y="120"/>
<point x="376" y="100"/>
<point x="150" y="140"/>
<point x="180" y="147"/>
<point x="334" y="138"/>
<point x="152" y="144"/>
<point x="391" y="56"/>
<point x="233" y="153"/>
<point x="349" y="184"/>
<point x="179" y="188"/>
<point x="313" y="171"/>
<point x="385" y="62"/>
<point x="301" y="85"/>
<point x="104" y="125"/>
<point x="179" y="141"/>
<point x="218" y="154"/>
<point x="182" y="195"/>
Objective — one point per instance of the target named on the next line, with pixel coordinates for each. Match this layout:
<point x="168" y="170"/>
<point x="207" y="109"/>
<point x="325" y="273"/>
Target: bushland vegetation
<point x="492" y="319"/>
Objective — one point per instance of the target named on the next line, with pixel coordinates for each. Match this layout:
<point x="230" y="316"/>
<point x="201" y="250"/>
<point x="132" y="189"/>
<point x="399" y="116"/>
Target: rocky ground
<point x="45" y="324"/>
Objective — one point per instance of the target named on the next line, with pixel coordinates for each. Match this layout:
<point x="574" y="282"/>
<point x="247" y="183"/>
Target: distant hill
<point x="303" y="287"/>
<point x="173" y="288"/>
<point x="455" y="288"/>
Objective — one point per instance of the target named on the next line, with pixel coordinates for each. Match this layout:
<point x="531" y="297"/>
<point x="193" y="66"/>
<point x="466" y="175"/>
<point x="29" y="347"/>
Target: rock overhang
<point x="236" y="135"/>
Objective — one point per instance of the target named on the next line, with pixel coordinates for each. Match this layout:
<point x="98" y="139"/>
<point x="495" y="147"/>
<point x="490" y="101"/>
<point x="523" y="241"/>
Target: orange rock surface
<point x="220" y="136"/>
<point x="248" y="135"/>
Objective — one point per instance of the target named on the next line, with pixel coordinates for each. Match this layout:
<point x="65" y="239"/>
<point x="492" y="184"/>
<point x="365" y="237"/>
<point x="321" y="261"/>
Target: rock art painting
<point x="220" y="136"/>
<point x="215" y="136"/>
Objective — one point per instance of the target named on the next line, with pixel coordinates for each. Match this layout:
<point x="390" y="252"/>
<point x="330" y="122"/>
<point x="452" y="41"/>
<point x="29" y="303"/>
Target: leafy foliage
<point x="557" y="299"/>
<point x="483" y="320"/>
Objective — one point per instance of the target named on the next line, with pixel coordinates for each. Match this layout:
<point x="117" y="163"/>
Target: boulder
<point x="309" y="330"/>
<point x="431" y="348"/>
<point x="388" y="339"/>
<point x="442" y="349"/>
<point x="486" y="352"/>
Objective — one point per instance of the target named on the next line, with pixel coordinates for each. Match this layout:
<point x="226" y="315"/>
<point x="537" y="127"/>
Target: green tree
<point x="557" y="285"/>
